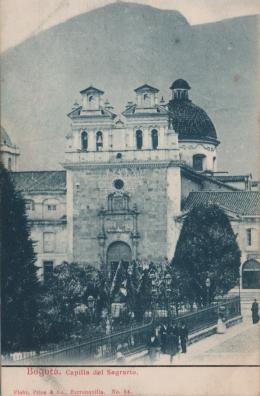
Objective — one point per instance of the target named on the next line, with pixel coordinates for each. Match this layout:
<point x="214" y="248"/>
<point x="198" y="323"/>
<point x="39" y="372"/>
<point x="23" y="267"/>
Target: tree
<point x="206" y="250"/>
<point x="64" y="309"/>
<point x="20" y="287"/>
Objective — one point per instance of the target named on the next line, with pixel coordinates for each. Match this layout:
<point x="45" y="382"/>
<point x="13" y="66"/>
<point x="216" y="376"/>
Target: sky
<point x="22" y="18"/>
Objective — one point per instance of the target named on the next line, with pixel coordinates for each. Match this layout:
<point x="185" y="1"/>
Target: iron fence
<point x="133" y="339"/>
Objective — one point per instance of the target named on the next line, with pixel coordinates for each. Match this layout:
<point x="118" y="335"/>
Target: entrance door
<point x="116" y="252"/>
<point x="251" y="275"/>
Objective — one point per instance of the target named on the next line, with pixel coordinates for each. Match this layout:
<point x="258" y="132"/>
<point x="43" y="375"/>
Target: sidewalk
<point x="240" y="345"/>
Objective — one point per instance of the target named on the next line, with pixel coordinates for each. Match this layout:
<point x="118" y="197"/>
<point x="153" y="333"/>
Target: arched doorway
<point x="116" y="252"/>
<point x="251" y="274"/>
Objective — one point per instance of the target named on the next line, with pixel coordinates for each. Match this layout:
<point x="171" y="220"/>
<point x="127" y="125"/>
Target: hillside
<point x="117" y="48"/>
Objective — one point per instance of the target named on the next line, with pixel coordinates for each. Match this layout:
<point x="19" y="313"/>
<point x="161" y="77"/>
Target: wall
<point x="43" y="221"/>
<point x="189" y="149"/>
<point x="147" y="187"/>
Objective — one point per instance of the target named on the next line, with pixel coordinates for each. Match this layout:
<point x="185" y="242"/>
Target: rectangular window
<point x="198" y="163"/>
<point x="48" y="242"/>
<point x="249" y="236"/>
<point x="47" y="271"/>
<point x="52" y="207"/>
<point x="29" y="204"/>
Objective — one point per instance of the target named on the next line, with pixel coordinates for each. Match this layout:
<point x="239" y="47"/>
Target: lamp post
<point x="207" y="284"/>
<point x="91" y="307"/>
<point x="239" y="280"/>
<point x="168" y="282"/>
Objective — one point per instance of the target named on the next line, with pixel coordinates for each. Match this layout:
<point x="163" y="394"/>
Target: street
<point x="240" y="345"/>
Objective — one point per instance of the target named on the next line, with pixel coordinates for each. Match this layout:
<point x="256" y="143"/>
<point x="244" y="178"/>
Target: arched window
<point x="90" y="99"/>
<point x="139" y="139"/>
<point x="9" y="164"/>
<point x="154" y="139"/>
<point x="99" y="141"/>
<point x="84" y="141"/>
<point x="251" y="274"/>
<point x="198" y="160"/>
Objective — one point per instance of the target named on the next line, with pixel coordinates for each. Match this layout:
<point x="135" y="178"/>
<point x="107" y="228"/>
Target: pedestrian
<point x="221" y="326"/>
<point x="254" y="309"/>
<point x="120" y="358"/>
<point x="163" y="337"/>
<point x="153" y="347"/>
<point x="172" y="343"/>
<point x="183" y="332"/>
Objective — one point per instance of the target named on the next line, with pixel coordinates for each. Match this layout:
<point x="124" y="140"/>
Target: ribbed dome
<point x="190" y="121"/>
<point x="4" y="138"/>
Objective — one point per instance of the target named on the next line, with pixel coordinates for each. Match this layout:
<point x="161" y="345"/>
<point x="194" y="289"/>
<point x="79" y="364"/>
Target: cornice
<point x="199" y="141"/>
<point x="47" y="221"/>
<point x="126" y="164"/>
<point x="45" y="192"/>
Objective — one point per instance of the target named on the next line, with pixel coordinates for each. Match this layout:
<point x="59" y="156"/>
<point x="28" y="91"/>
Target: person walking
<point x="153" y="346"/>
<point x="183" y="332"/>
<point x="163" y="337"/>
<point x="172" y="342"/>
<point x="254" y="310"/>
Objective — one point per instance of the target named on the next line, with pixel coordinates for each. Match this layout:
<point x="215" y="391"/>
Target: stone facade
<point x="101" y="217"/>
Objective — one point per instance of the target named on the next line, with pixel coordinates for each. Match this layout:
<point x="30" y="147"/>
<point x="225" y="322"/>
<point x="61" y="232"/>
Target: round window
<point x="118" y="184"/>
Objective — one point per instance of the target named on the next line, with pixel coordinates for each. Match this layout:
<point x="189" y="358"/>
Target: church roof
<point x="245" y="203"/>
<point x="91" y="89"/>
<point x="146" y="88"/>
<point x="5" y="138"/>
<point x="180" y="84"/>
<point x="37" y="181"/>
<point x="190" y="121"/>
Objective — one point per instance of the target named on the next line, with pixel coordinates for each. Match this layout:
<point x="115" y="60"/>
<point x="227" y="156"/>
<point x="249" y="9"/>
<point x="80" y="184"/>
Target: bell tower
<point x="91" y="99"/>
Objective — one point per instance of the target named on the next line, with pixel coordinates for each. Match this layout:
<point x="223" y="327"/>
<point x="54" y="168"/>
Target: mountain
<point x="117" y="48"/>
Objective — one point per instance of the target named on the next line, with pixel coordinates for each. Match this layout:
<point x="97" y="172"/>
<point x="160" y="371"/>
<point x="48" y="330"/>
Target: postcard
<point x="130" y="200"/>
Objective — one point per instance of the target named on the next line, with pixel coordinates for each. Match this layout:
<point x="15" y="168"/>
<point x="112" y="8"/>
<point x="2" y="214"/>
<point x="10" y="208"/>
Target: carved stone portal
<point x="117" y="220"/>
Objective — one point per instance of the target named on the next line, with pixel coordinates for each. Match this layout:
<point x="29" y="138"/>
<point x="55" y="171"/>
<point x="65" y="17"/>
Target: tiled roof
<point x="190" y="121"/>
<point x="40" y="181"/>
<point x="245" y="203"/>
<point x="186" y="170"/>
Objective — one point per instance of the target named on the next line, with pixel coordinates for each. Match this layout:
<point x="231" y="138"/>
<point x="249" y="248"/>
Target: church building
<point x="130" y="179"/>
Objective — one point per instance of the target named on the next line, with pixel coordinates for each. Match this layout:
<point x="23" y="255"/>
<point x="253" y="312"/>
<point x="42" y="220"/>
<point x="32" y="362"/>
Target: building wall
<point x="248" y="251"/>
<point x="54" y="246"/>
<point x="9" y="157"/>
<point x="189" y="149"/>
<point x="153" y="191"/>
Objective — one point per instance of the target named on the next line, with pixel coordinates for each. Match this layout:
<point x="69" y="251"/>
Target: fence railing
<point x="135" y="338"/>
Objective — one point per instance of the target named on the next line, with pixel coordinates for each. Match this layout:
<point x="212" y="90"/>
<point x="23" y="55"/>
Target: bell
<point x="99" y="139"/>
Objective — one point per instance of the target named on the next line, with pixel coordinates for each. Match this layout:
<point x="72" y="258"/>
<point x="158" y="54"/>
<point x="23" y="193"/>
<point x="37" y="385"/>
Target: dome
<point x="4" y="138"/>
<point x="180" y="84"/>
<point x="190" y="121"/>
